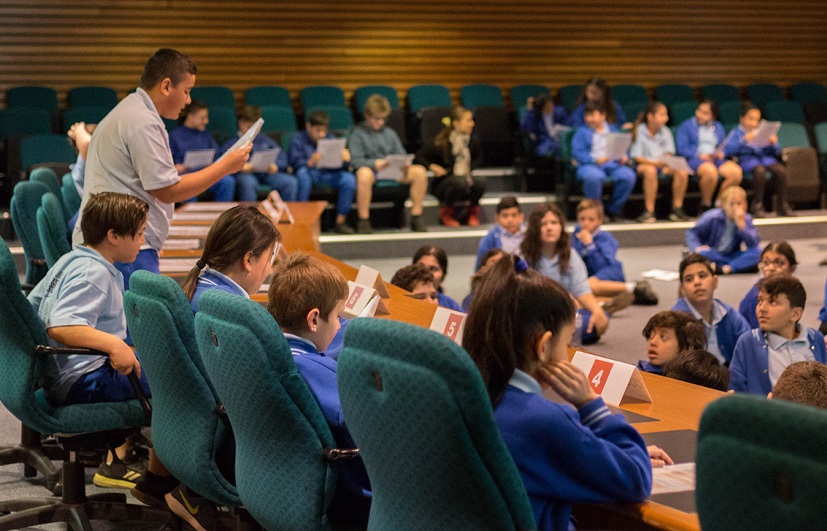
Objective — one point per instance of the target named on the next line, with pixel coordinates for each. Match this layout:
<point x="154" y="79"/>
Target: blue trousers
<point x="621" y="175"/>
<point x="740" y="261"/>
<point x="247" y="185"/>
<point x="147" y="260"/>
<point x="341" y="180"/>
<point x="104" y="384"/>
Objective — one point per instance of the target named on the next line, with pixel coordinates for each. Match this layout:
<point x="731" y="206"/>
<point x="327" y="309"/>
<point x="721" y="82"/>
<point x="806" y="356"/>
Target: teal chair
<point x="69" y="194"/>
<point x="196" y="447"/>
<point x="45" y="149"/>
<point x="51" y="228"/>
<point x="422" y="96"/>
<point x="520" y="93"/>
<point x="341" y="119"/>
<point x="808" y="93"/>
<point x="285" y="455"/>
<point x="633" y="109"/>
<point x="761" y="465"/>
<point x="628" y="93"/>
<point x="762" y="93"/>
<point x="169" y="124"/>
<point x="785" y="111"/>
<point x="569" y="95"/>
<point x="88" y="114"/>
<point x="321" y="96"/>
<point x="214" y="96"/>
<point x="729" y="112"/>
<point x="279" y="123"/>
<point x="223" y="123"/>
<point x="720" y="92"/>
<point x="92" y="96"/>
<point x="481" y="95"/>
<point x="44" y="98"/>
<point x="24" y="204"/>
<point x="820" y="132"/>
<point x="417" y="407"/>
<point x="680" y="112"/>
<point x="793" y="135"/>
<point x="671" y="94"/>
<point x="361" y="95"/>
<point x="48" y="177"/>
<point x="21" y="121"/>
<point x="22" y="338"/>
<point x="268" y="96"/>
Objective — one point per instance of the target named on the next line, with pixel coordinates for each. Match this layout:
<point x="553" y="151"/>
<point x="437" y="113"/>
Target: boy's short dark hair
<point x="412" y="275"/>
<point x="586" y="204"/>
<point x="690" y="333"/>
<point x="300" y="283"/>
<point x="166" y="63"/>
<point x="122" y="213"/>
<point x="593" y="106"/>
<point x="698" y="367"/>
<point x="192" y="107"/>
<point x="249" y="113"/>
<point x="786" y="285"/>
<point x="803" y="382"/>
<point x="507" y="202"/>
<point x="694" y="258"/>
<point x="318" y="118"/>
<point x="747" y="106"/>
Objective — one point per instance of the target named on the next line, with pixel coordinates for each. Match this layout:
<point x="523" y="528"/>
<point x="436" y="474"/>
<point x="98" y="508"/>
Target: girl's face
<point x="465" y="124"/>
<point x="659" y="118"/>
<point x="750" y="120"/>
<point x="703" y="113"/>
<point x="260" y="268"/>
<point x="775" y="264"/>
<point x="557" y="348"/>
<point x="550" y="229"/>
<point x="594" y="93"/>
<point x="433" y="266"/>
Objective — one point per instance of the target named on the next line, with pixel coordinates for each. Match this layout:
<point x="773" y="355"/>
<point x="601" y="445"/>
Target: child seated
<point x="305" y="159"/>
<point x="803" y="382"/>
<point x="762" y="355"/>
<point x="668" y="334"/>
<point x="723" y="324"/>
<point x="247" y="181"/>
<point x="588" y="148"/>
<point x="306" y="298"/>
<point x="417" y="279"/>
<point x="488" y="260"/>
<point x="726" y="235"/>
<point x="541" y="122"/>
<point x="436" y="260"/>
<point x="598" y="249"/>
<point x="698" y="367"/>
<point x="508" y="232"/>
<point x="777" y="259"/>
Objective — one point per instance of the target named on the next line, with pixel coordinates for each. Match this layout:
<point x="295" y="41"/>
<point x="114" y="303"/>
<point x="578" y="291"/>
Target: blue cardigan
<point x="533" y="124"/>
<point x="710" y="227"/>
<point x="749" y="371"/>
<point x="731" y="327"/>
<point x="581" y="144"/>
<point x="748" y="305"/>
<point x="748" y="156"/>
<point x="686" y="138"/>
<point x="600" y="255"/>
<point x="492" y="240"/>
<point x="183" y="139"/>
<point x="648" y="367"/>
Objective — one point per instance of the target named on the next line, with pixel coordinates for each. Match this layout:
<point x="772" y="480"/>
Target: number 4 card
<point x="612" y="380"/>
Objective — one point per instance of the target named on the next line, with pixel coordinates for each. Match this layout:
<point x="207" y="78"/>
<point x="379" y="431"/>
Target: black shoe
<point x="677" y="214"/>
<point x="417" y="225"/>
<point x="363" y="226"/>
<point x="646" y="217"/>
<point x="343" y="228"/>
<point x="757" y="211"/>
<point x="199" y="512"/>
<point x="118" y="474"/>
<point x="784" y="209"/>
<point x="151" y="489"/>
<point x="644" y="294"/>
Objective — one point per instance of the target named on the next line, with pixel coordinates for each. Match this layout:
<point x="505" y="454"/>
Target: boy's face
<point x="775" y="313"/>
<point x="510" y="219"/>
<point x="698" y="284"/>
<point x="734" y="205"/>
<point x="128" y="247"/>
<point x="589" y="219"/>
<point x="316" y="132"/>
<point x="750" y="120"/>
<point x="375" y="122"/>
<point x="550" y="229"/>
<point x="425" y="291"/>
<point x="175" y="97"/>
<point x="595" y="119"/>
<point x="328" y="326"/>
<point x="662" y="345"/>
<point x="703" y="113"/>
<point x="198" y="119"/>
<point x="244" y="126"/>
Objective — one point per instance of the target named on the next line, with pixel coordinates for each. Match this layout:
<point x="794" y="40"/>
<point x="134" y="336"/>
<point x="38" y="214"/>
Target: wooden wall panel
<point x="504" y="42"/>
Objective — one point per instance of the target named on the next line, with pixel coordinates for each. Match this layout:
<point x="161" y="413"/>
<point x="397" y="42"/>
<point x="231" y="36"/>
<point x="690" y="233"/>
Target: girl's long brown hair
<point x="532" y="246"/>
<point x="443" y="139"/>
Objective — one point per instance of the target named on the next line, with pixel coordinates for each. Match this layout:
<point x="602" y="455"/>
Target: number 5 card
<point x="612" y="380"/>
<point x="449" y="323"/>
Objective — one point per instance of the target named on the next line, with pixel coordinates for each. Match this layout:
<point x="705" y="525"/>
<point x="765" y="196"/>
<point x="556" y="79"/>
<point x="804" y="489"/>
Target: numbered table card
<point x="449" y="323"/>
<point x="358" y="298"/>
<point x="612" y="380"/>
<point x="371" y="277"/>
<point x="276" y="208"/>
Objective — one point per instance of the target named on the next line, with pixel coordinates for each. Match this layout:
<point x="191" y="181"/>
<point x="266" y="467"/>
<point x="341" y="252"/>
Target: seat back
<point x="51" y="228"/>
<point x="793" y="135"/>
<point x="671" y="94"/>
<point x="816" y="111"/>
<point x="341" y="119"/>
<point x="762" y="93"/>
<point x="628" y="92"/>
<point x="633" y="108"/>
<point x="772" y="453"/>
<point x="494" y="133"/>
<point x="481" y="95"/>
<point x="568" y="95"/>
<point x="48" y="177"/>
<point x="223" y="123"/>
<point x="24" y="204"/>
<point x="416" y="405"/>
<point x="720" y="92"/>
<point x="29" y="96"/>
<point x="808" y="92"/>
<point x="520" y="93"/>
<point x="282" y="476"/>
<point x="88" y="114"/>
<point x="321" y="95"/>
<point x="820" y="131"/>
<point x="729" y="112"/>
<point x="785" y="111"/>
<point x="43" y="149"/>
<point x="682" y="111"/>
<point x="69" y="194"/>
<point x="20" y="121"/>
<point x="430" y="123"/>
<point x="268" y="96"/>
<point x="190" y="445"/>
<point x="360" y="97"/>
<point x="421" y="96"/>
<point x="214" y="96"/>
<point x="92" y="96"/>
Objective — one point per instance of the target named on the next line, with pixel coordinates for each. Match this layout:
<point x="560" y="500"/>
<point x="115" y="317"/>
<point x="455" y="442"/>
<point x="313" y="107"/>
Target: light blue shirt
<point x="783" y="352"/>
<point x="510" y="242"/>
<point x="522" y="381"/>
<point x="652" y="147"/>
<point x="599" y="141"/>
<point x="81" y="289"/>
<point x="575" y="280"/>
<point x="707" y="140"/>
<point x="78" y="171"/>
<point x="718" y="313"/>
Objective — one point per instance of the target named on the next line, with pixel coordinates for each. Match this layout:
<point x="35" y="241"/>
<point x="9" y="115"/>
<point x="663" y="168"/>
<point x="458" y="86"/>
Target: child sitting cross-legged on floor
<point x="667" y="334"/>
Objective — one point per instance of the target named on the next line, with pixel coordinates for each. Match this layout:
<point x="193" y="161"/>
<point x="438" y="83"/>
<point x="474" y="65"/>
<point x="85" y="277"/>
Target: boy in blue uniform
<point x="290" y="188"/>
<point x="588" y="148"/>
<point x="306" y="298"/>
<point x="305" y="160"/>
<point x="192" y="135"/>
<point x="507" y="234"/>
<point x="726" y="235"/>
<point x="668" y="334"/>
<point x="80" y="303"/>
<point x="723" y="324"/>
<point x="699" y="367"/>
<point x="541" y="123"/>
<point x="761" y="355"/>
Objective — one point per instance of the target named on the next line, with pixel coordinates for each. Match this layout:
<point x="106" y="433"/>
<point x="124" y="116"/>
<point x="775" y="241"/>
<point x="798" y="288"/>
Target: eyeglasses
<point x="777" y="263"/>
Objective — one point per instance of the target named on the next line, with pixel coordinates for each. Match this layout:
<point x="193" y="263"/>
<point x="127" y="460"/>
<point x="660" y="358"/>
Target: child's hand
<point x="123" y="360"/>
<point x="568" y="381"/>
<point x="602" y="160"/>
<point x="598" y="321"/>
<point x="529" y="103"/>
<point x="624" y="159"/>
<point x="380" y="164"/>
<point x="273" y="168"/>
<point x="346" y="155"/>
<point x="774" y="139"/>
<point x="749" y="136"/>
<point x="585" y="237"/>
<point x="314" y="160"/>
<point x="180" y="168"/>
<point x="658" y="457"/>
<point x="235" y="159"/>
<point x="740" y="217"/>
<point x="719" y="155"/>
<point x="248" y="168"/>
<point x="438" y="170"/>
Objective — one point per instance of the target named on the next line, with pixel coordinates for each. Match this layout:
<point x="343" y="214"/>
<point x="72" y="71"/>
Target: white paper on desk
<point x="261" y="160"/>
<point x="195" y="159"/>
<point x="176" y="265"/>
<point x="195" y="216"/>
<point x="677" y="163"/>
<point x="331" y="151"/>
<point x="188" y="231"/>
<point x="246" y="138"/>
<point x="359" y="297"/>
<point x="277" y="209"/>
<point x="183" y="244"/>
<point x="371" y="277"/>
<point x="617" y="145"/>
<point x="661" y="274"/>
<point x="395" y="170"/>
<point x="207" y="207"/>
<point x="673" y="478"/>
<point x="763" y="133"/>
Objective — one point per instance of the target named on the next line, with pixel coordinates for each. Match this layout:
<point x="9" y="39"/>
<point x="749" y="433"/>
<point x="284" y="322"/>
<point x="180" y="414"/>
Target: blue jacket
<point x="748" y="156"/>
<point x="533" y="124"/>
<point x="710" y="227"/>
<point x="748" y="305"/>
<point x="600" y="255"/>
<point x="447" y="302"/>
<point x="749" y="371"/>
<point x="260" y="143"/>
<point x="566" y="456"/>
<point x="648" y="367"/>
<point x="492" y="240"/>
<point x="581" y="144"/>
<point x="183" y="139"/>
<point x="686" y="139"/>
<point x="822" y="315"/>
<point x="302" y="148"/>
<point x="731" y="327"/>
<point x="578" y="115"/>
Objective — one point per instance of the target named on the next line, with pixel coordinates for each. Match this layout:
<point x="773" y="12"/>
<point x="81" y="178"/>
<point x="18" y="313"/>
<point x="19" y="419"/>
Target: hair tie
<point x="520" y="265"/>
<point x="200" y="264"/>
<point x="446" y="121"/>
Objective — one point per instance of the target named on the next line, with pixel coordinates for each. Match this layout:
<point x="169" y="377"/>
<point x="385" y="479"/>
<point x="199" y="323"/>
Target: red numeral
<point x="354" y="297"/>
<point x="599" y="375"/>
<point x="452" y="326"/>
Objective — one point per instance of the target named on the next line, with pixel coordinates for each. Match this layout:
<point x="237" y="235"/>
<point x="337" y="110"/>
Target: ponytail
<point x="651" y="108"/>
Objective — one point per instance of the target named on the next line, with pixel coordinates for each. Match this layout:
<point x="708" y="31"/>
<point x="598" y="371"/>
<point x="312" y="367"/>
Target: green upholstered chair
<point x="729" y="111"/>
<point x="223" y="123"/>
<point x="45" y="149"/>
<point x="20" y="121"/>
<point x="417" y="408"/>
<point x="320" y="96"/>
<point x="761" y="464"/>
<point x="361" y="95"/>
<point x="682" y="111"/>
<point x="278" y="119"/>
<point x="671" y="94"/>
<point x="481" y="95"/>
<point x="51" y="228"/>
<point x="88" y="114"/>
<point x="785" y="111"/>
<point x="520" y="93"/>
<point x="793" y="135"/>
<point x="48" y="177"/>
<point x="720" y="92"/>
<point x="283" y="476"/>
<point x="568" y="95"/>
<point x="422" y="96"/>
<point x="214" y="96"/>
<point x="69" y="194"/>
<point x="92" y="96"/>
<point x="34" y="97"/>
<point x="341" y="118"/>
<point x="24" y="204"/>
<point x="268" y="96"/>
<point x="762" y="93"/>
<point x="808" y="92"/>
<point x="629" y="92"/>
<point x="190" y="445"/>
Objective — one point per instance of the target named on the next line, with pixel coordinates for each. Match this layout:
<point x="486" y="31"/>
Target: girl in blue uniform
<point x="777" y="259"/>
<point x="436" y="260"/>
<point x="598" y="92"/>
<point x="517" y="332"/>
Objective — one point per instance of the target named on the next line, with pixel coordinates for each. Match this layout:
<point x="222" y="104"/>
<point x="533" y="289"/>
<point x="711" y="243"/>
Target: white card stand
<point x="449" y="323"/>
<point x="613" y="380"/>
<point x="371" y="277"/>
<point x="358" y="298"/>
<point x="276" y="208"/>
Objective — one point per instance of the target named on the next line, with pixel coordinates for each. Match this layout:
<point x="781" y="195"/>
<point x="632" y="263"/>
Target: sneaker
<point x="618" y="302"/>
<point x="343" y="228"/>
<point x="417" y="225"/>
<point x="677" y="214"/>
<point x="199" y="512"/>
<point x="446" y="216"/>
<point x="474" y="216"/>
<point x="644" y="295"/>
<point x="151" y="489"/>
<point x="363" y="226"/>
<point x="646" y="217"/>
<point x="118" y="474"/>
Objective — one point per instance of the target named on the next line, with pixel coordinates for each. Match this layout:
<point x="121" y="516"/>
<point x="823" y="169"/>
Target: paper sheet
<point x="176" y="265"/>
<point x="673" y="478"/>
<point x="195" y="159"/>
<point x="617" y="145"/>
<point x="261" y="160"/>
<point x="395" y="168"/>
<point x="183" y="244"/>
<point x="331" y="151"/>
<point x="677" y="163"/>
<point x="246" y="138"/>
<point x="196" y="216"/>
<point x="763" y="133"/>
<point x="207" y="207"/>
<point x="661" y="274"/>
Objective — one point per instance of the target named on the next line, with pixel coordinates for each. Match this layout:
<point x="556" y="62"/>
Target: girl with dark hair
<point x="540" y="123"/>
<point x="777" y="259"/>
<point x="435" y="259"/>
<point x="597" y="91"/>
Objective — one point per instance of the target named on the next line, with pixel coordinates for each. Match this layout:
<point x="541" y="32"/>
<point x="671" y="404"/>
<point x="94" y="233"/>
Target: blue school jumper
<point x="686" y="141"/>
<point x="822" y="314"/>
<point x="600" y="256"/>
<point x="749" y="370"/>
<point x="731" y="327"/>
<point x="183" y="139"/>
<point x="494" y="240"/>
<point x="567" y="456"/>
<point x="592" y="175"/>
<point x="578" y="115"/>
<point x="711" y="230"/>
<point x="750" y="157"/>
<point x="748" y="305"/>
<point x="212" y="279"/>
<point x="301" y="149"/>
<point x="648" y="367"/>
<point x="533" y="123"/>
<point x="447" y="302"/>
<point x="289" y="187"/>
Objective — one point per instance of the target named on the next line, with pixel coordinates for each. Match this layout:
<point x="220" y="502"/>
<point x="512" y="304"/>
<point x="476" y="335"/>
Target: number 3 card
<point x="612" y="380"/>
